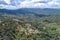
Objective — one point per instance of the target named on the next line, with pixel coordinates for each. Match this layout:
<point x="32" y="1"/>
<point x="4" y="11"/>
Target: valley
<point x="33" y="24"/>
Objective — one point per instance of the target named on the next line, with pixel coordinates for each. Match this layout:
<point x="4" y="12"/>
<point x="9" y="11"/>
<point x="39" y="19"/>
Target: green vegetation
<point x="32" y="27"/>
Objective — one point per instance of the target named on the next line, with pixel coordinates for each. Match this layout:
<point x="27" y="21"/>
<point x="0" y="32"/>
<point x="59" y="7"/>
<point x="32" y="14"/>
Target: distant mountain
<point x="31" y="11"/>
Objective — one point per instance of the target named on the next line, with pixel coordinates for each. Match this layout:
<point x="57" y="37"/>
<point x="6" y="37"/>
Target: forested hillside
<point x="29" y="27"/>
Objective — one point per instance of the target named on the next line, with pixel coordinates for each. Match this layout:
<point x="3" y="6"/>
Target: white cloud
<point x="7" y="7"/>
<point x="53" y="4"/>
<point x="25" y="4"/>
<point x="40" y="5"/>
<point x="31" y="4"/>
<point x="7" y="1"/>
<point x="35" y="0"/>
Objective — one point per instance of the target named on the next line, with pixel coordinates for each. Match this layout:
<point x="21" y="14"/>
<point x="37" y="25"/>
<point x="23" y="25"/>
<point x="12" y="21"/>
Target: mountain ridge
<point x="32" y="10"/>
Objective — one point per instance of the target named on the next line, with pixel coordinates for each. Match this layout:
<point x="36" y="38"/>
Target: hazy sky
<point x="16" y="4"/>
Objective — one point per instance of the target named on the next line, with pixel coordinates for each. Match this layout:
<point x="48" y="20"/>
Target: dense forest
<point x="29" y="27"/>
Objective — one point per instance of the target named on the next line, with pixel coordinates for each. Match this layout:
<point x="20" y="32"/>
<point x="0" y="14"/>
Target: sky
<point x="16" y="4"/>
